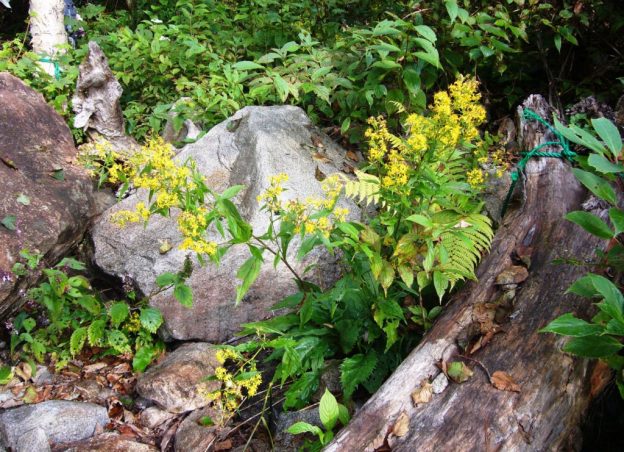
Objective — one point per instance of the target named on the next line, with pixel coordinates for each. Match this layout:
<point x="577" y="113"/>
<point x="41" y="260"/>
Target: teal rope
<point x="566" y="153"/>
<point x="57" y="67"/>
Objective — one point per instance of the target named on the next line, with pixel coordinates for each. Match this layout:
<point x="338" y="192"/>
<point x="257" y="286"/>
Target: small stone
<point x="192" y="436"/>
<point x="110" y="442"/>
<point x="440" y="383"/>
<point x="176" y="384"/>
<point x="152" y="417"/>
<point x="43" y="376"/>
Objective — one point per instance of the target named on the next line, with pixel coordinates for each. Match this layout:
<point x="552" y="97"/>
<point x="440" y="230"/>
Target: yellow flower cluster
<point x="234" y="390"/>
<point x="475" y="177"/>
<point x="453" y="121"/>
<point x="104" y="163"/>
<point x="300" y="213"/>
<point x="133" y="324"/>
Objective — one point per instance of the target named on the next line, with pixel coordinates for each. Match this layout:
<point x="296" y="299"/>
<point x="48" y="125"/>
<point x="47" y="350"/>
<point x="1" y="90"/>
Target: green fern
<point x="365" y="189"/>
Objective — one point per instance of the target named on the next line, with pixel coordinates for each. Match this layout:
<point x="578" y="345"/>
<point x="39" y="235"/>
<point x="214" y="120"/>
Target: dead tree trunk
<point x="554" y="388"/>
<point x="48" y="30"/>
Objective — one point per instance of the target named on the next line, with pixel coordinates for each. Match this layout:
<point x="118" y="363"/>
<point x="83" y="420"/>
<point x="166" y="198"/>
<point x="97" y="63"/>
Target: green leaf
<point x="617" y="218"/>
<point x="597" y="185"/>
<point x="183" y="294"/>
<point x="77" y="341"/>
<point x="591" y="223"/>
<point x="9" y="222"/>
<point x="603" y="165"/>
<point x="118" y="341"/>
<point x="387" y="275"/>
<point x="303" y="427"/>
<point x="142" y="358"/>
<point x="568" y="325"/>
<point x="289" y="302"/>
<point x="166" y="279"/>
<point x="58" y="174"/>
<point x="584" y="287"/>
<point x="343" y="414"/>
<point x="95" y="332"/>
<point x="421" y="220"/>
<point x="23" y="199"/>
<point x="247" y="273"/>
<point x="28" y="324"/>
<point x="609" y="134"/>
<point x="6" y="374"/>
<point x="440" y="282"/>
<point x="206" y="421"/>
<point x="231" y="191"/>
<point x="405" y="271"/>
<point x="451" y="9"/>
<point x="356" y="370"/>
<point x="151" y="319"/>
<point x="430" y="57"/>
<point x="328" y="410"/>
<point x="90" y="304"/>
<point x="246" y="66"/>
<point x="613" y="303"/>
<point x="118" y="312"/>
<point x="593" y="346"/>
<point x="426" y="32"/>
<point x="459" y="372"/>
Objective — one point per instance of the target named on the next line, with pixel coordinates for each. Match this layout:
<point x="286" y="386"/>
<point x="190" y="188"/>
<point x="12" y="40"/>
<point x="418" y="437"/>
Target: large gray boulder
<point x="59" y="421"/>
<point x="256" y="143"/>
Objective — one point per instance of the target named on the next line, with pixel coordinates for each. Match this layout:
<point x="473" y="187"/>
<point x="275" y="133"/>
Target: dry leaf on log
<point x="401" y="426"/>
<point x="503" y="381"/>
<point x="423" y="394"/>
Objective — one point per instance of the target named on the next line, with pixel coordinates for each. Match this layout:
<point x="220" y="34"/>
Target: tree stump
<point x="496" y="327"/>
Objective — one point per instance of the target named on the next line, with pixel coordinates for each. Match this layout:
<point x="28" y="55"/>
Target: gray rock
<point x="188" y="130"/>
<point x="152" y="417"/>
<point x="192" y="436"/>
<point x="283" y="440"/>
<point x="175" y="384"/>
<point x="256" y="143"/>
<point x="61" y="421"/>
<point x="34" y="440"/>
<point x="110" y="442"/>
<point x="439" y="383"/>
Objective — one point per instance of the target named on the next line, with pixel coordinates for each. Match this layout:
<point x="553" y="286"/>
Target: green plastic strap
<point x="57" y="67"/>
<point x="566" y="153"/>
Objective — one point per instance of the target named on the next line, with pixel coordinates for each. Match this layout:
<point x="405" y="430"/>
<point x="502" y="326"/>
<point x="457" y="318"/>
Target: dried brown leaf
<point x="401" y="426"/>
<point x="320" y="175"/>
<point x="503" y="381"/>
<point x="320" y="157"/>
<point x="423" y="394"/>
<point x="353" y="156"/>
<point x="24" y="371"/>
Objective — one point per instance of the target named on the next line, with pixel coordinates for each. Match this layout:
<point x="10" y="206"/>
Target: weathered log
<point x="96" y="102"/>
<point x="554" y="388"/>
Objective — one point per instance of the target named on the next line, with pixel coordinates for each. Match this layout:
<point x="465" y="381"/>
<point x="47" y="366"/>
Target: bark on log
<point x="96" y="102"/>
<point x="555" y="389"/>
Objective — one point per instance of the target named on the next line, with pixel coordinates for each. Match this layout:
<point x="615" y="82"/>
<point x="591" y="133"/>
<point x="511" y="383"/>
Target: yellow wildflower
<point x="475" y="177"/>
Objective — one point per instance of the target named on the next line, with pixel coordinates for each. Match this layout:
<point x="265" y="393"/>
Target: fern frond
<point x="365" y="189"/>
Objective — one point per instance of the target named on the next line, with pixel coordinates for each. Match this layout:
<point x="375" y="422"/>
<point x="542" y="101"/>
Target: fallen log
<point x="495" y="325"/>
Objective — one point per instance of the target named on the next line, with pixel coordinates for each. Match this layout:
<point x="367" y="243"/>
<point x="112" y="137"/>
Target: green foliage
<point x="76" y="317"/>
<point x="330" y="412"/>
<point x="602" y="337"/>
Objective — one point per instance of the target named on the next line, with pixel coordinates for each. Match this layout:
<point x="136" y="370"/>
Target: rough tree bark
<point x="47" y="29"/>
<point x="500" y="325"/>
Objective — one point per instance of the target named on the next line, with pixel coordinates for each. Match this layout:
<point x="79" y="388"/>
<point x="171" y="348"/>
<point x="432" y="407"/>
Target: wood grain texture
<point x="554" y="387"/>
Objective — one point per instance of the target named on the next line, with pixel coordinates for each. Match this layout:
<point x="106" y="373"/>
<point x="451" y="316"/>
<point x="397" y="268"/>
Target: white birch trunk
<point x="47" y="29"/>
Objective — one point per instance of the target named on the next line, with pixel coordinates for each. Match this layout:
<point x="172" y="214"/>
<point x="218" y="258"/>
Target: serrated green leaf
<point x="183" y="294"/>
<point x="118" y="341"/>
<point x="95" y="332"/>
<point x="118" y="312"/>
<point x="77" y="341"/>
<point x="568" y="325"/>
<point x="166" y="279"/>
<point x="151" y="319"/>
<point x="591" y="223"/>
<point x="328" y="410"/>
<point x="356" y="370"/>
<point x="609" y="134"/>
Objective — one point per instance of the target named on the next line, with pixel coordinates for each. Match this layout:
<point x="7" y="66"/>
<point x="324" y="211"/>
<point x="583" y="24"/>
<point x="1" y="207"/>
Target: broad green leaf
<point x="617" y="218"/>
<point x="23" y="199"/>
<point x="386" y="276"/>
<point x="451" y="9"/>
<point x="421" y="220"/>
<point x="584" y="287"/>
<point x="95" y="332"/>
<point x="593" y="346"/>
<point x="407" y="275"/>
<point x="343" y="414"/>
<point x="586" y="140"/>
<point x="118" y="341"/>
<point x="246" y="66"/>
<point x="6" y="374"/>
<point x="328" y="410"/>
<point x="77" y="341"/>
<point x="206" y="421"/>
<point x="151" y="319"/>
<point x="303" y="427"/>
<point x="440" y="282"/>
<point x="459" y="372"/>
<point x="356" y="370"/>
<point x="9" y="222"/>
<point x="426" y="32"/>
<point x="247" y="273"/>
<point x="118" y="312"/>
<point x="597" y="185"/>
<point x="142" y="358"/>
<point x="387" y="64"/>
<point x="591" y="223"/>
<point x="166" y="279"/>
<point x="183" y="294"/>
<point x="613" y="303"/>
<point x="28" y="324"/>
<point x="568" y="325"/>
<point x="232" y="191"/>
<point x="603" y="165"/>
<point x="90" y="304"/>
<point x="609" y="134"/>
<point x="289" y="302"/>
<point x="430" y="57"/>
